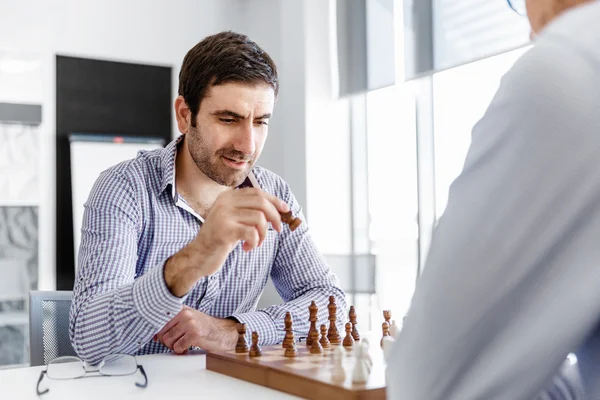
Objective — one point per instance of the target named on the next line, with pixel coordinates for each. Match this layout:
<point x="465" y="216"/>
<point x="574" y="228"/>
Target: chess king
<point x="178" y="243"/>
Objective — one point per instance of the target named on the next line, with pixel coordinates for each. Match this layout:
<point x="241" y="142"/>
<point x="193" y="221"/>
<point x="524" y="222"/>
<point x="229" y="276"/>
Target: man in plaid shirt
<point x="178" y="244"/>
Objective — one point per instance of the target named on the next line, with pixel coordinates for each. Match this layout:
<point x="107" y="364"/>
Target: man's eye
<point x="227" y="120"/>
<point x="262" y="123"/>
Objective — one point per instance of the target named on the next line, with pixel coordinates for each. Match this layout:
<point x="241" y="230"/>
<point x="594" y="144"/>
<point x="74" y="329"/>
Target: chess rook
<point x="332" y="333"/>
<point x="352" y="315"/>
<point x="313" y="310"/>
<point x="348" y="340"/>
<point x="242" y="344"/>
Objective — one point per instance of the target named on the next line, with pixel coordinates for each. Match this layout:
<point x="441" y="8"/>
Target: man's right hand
<point x="236" y="215"/>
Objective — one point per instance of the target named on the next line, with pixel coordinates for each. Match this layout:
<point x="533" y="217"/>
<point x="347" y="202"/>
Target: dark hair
<point x="222" y="58"/>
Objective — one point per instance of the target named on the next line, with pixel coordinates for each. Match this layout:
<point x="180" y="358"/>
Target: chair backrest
<point x="49" y="326"/>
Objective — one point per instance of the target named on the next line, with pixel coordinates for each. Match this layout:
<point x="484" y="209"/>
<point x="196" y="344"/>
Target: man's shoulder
<point x="141" y="170"/>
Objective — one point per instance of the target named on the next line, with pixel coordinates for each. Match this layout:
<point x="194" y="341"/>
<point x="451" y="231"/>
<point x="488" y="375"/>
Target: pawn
<point x="315" y="347"/>
<point x="291" y="350"/>
<point x="361" y="367"/>
<point x="393" y="329"/>
<point x="385" y="327"/>
<point x="255" y="350"/>
<point x="324" y="341"/>
<point x="242" y="344"/>
<point x="348" y="340"/>
<point x="338" y="374"/>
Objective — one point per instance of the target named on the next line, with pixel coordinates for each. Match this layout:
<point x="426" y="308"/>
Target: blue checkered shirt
<point x="134" y="220"/>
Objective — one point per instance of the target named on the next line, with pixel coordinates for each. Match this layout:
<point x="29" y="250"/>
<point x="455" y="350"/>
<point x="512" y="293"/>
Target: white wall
<point x="150" y="32"/>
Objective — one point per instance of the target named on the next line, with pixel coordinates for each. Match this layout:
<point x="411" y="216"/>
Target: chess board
<point x="307" y="375"/>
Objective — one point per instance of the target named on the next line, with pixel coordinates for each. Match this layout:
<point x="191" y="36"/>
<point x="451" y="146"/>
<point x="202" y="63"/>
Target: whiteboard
<point x="90" y="156"/>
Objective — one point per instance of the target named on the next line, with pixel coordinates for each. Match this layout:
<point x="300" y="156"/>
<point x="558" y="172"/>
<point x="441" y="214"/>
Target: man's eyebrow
<point x="230" y="113"/>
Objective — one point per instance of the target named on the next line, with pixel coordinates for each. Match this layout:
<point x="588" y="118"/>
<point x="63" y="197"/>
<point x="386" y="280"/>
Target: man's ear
<point x="183" y="115"/>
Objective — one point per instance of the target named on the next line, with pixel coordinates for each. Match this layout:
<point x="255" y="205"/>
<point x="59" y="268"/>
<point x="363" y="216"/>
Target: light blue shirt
<point x="134" y="220"/>
<point x="511" y="284"/>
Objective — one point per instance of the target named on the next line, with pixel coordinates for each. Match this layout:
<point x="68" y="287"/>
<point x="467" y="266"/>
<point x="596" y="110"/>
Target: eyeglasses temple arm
<point x="142" y="385"/>
<point x="38" y="384"/>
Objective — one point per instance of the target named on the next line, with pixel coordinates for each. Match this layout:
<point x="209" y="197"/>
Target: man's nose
<point x="244" y="141"/>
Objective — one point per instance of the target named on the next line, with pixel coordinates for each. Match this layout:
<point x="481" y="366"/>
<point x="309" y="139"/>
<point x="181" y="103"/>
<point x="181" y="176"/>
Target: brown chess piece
<point x="387" y="315"/>
<point x="289" y="219"/>
<point x="291" y="350"/>
<point x="385" y="327"/>
<point x="315" y="347"/>
<point x="324" y="341"/>
<point x="289" y="339"/>
<point x="255" y="350"/>
<point x="348" y="340"/>
<point x="332" y="333"/>
<point x="242" y="344"/>
<point x="352" y="314"/>
<point x="313" y="310"/>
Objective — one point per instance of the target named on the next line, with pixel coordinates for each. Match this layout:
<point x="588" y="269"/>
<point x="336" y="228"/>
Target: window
<point x="460" y="98"/>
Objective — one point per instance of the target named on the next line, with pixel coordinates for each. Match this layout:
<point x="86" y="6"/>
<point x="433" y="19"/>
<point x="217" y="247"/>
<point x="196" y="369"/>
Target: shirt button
<point x="168" y="313"/>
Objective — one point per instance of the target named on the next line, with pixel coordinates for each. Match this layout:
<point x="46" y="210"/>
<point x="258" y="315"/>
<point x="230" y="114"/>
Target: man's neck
<point x="197" y="189"/>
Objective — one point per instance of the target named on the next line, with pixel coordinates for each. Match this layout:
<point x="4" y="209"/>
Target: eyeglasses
<point x="69" y="367"/>
<point x="518" y="6"/>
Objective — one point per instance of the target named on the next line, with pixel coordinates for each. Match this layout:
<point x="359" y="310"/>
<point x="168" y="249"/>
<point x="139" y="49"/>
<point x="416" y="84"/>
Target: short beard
<point x="218" y="173"/>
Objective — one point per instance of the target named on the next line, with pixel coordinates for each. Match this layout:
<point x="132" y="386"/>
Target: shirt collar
<point x="167" y="160"/>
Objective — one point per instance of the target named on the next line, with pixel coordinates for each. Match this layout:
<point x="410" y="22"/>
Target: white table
<point x="169" y="377"/>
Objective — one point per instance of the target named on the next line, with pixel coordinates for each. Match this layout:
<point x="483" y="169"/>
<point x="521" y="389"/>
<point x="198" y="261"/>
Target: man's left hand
<point x="190" y="328"/>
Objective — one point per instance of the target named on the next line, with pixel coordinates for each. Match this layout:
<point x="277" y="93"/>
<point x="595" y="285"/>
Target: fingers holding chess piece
<point x="242" y="344"/>
<point x="385" y="327"/>
<point x="324" y="341"/>
<point x="348" y="340"/>
<point x="255" y="350"/>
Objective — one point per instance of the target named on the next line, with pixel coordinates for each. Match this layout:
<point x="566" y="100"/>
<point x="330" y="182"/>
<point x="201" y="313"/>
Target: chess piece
<point x="291" y="350"/>
<point x="289" y="339"/>
<point x="315" y="347"/>
<point x="255" y="350"/>
<point x="337" y="373"/>
<point x="352" y="315"/>
<point x="289" y="219"/>
<point x="367" y="347"/>
<point x="393" y="329"/>
<point x="332" y="333"/>
<point x="348" y="340"/>
<point x="385" y="327"/>
<point x="387" y="315"/>
<point x="242" y="344"/>
<point x="324" y="341"/>
<point x="361" y="369"/>
<point x="313" y="310"/>
<point x="387" y="343"/>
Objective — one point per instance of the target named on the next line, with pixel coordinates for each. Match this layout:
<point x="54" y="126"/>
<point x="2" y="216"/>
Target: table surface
<point x="169" y="376"/>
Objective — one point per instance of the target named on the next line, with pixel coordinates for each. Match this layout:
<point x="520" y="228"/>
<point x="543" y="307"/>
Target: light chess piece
<point x="385" y="327"/>
<point x="361" y="369"/>
<point x="338" y="374"/>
